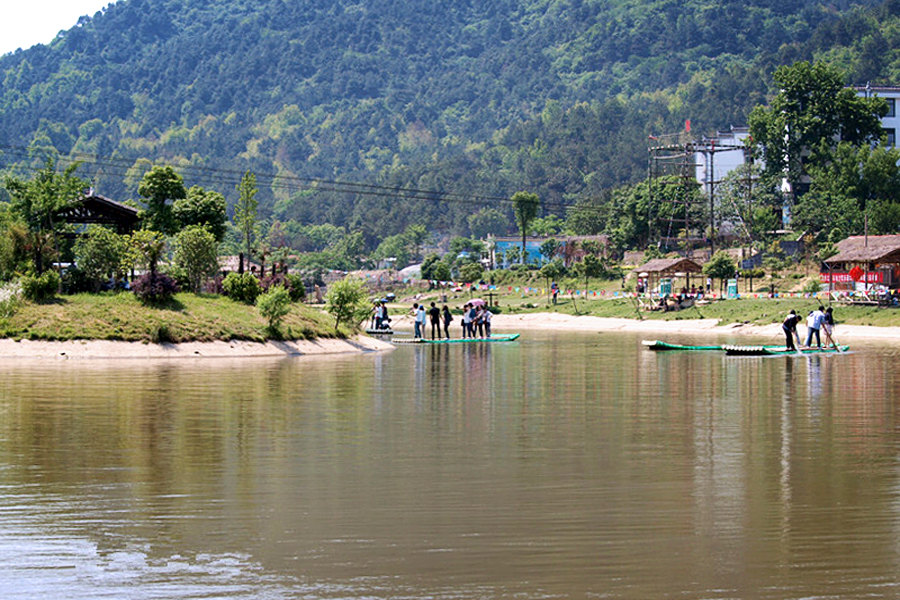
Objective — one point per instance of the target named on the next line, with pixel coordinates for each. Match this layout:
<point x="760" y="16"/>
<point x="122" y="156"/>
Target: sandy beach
<point x="104" y="350"/>
<point x="502" y="323"/>
<point x="654" y="328"/>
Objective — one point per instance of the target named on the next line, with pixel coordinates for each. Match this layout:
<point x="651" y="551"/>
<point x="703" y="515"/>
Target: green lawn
<point x="188" y="317"/>
<point x="744" y="310"/>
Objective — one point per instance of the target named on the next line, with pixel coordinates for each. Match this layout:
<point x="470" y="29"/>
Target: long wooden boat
<point x="500" y="337"/>
<point x="778" y="350"/>
<point x="660" y="346"/>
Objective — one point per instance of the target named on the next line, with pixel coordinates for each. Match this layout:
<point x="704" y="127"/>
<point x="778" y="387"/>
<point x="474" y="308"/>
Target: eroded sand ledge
<point x="101" y="349"/>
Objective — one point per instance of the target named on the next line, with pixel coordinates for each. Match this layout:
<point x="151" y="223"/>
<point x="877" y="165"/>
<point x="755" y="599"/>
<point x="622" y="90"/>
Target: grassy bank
<point x="187" y="318"/>
<point x="759" y="311"/>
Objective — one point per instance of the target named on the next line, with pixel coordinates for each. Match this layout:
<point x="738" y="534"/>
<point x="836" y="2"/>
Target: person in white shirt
<point x="418" y="319"/>
<point x="466" y="322"/>
<point x="813" y="324"/>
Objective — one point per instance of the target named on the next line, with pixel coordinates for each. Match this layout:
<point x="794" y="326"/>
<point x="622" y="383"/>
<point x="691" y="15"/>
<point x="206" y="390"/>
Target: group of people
<point x="819" y="320"/>
<point x="437" y="316"/>
<point x="380" y="318"/>
<point x="475" y="319"/>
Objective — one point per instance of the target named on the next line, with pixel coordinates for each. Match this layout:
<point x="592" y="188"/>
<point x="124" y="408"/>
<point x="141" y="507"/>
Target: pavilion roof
<point x="670" y="265"/>
<point x="94" y="208"/>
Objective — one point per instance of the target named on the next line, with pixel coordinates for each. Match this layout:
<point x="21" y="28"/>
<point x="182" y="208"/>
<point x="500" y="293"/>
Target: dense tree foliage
<point x="433" y="110"/>
<point x="811" y="113"/>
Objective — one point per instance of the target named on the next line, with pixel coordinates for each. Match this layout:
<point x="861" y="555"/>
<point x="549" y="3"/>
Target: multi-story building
<point x="891" y="121"/>
<point x="720" y="155"/>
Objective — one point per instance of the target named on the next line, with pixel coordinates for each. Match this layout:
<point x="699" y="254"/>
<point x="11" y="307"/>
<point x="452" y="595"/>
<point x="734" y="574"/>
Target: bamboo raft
<point x="502" y="337"/>
<point x="778" y="350"/>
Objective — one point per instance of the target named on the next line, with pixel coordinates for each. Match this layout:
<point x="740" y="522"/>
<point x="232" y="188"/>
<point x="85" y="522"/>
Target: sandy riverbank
<point x="100" y="349"/>
<point x="656" y="328"/>
<point x="652" y="328"/>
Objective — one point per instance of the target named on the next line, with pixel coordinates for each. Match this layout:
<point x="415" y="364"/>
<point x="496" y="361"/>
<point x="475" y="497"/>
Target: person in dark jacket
<point x="435" y="314"/>
<point x="445" y="314"/>
<point x="789" y="326"/>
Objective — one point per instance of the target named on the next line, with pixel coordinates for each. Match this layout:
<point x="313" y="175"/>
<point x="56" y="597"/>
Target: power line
<point x="119" y="168"/>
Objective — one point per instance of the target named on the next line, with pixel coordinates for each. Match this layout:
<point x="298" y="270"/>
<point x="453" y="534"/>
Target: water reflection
<point x="559" y="466"/>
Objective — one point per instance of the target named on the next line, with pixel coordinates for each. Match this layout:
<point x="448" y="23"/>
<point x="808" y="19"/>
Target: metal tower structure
<point x="681" y="156"/>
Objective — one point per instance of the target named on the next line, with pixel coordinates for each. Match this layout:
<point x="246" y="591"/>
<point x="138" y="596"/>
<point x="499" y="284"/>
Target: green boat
<point x="778" y="350"/>
<point x="660" y="346"/>
<point x="502" y="337"/>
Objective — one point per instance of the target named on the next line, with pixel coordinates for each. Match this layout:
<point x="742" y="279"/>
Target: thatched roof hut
<point x="876" y="249"/>
<point x="876" y="259"/>
<point x="660" y="268"/>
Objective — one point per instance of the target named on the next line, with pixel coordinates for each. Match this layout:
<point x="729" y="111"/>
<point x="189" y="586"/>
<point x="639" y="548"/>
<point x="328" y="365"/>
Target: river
<point x="559" y="466"/>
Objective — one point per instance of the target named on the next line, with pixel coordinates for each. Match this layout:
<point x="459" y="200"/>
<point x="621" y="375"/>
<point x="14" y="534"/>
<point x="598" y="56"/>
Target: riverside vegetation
<point x="185" y="317"/>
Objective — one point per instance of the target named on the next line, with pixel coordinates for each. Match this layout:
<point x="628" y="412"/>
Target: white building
<point x="720" y="155"/>
<point x="890" y="122"/>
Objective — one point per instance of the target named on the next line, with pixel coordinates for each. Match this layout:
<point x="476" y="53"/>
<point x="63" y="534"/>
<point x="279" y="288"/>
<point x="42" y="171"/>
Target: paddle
<point x="837" y="344"/>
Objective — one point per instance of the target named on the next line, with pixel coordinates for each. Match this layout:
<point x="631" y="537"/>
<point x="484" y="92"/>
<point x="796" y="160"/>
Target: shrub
<point x="10" y="295"/>
<point x="99" y="254"/>
<point x="75" y="281"/>
<point x="154" y="288"/>
<point x="292" y="282"/>
<point x="274" y="305"/>
<point x="41" y="288"/>
<point x="214" y="286"/>
<point x="196" y="253"/>
<point x="812" y="287"/>
<point x="470" y="272"/>
<point x="241" y="287"/>
<point x="347" y="301"/>
<point x="295" y="286"/>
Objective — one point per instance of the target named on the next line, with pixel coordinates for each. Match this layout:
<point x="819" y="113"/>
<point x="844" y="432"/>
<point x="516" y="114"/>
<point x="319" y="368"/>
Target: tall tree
<point x="245" y="210"/>
<point x="526" y="206"/>
<point x="38" y="201"/>
<point x="811" y="113"/>
<point x="486" y="221"/>
<point x="161" y="187"/>
<point x="196" y="251"/>
<point x="204" y="208"/>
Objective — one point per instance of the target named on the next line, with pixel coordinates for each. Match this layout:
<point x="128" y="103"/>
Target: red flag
<point x="687" y="125"/>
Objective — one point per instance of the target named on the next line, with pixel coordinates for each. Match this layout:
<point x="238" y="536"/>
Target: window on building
<point x="891" y="135"/>
<point x="892" y="107"/>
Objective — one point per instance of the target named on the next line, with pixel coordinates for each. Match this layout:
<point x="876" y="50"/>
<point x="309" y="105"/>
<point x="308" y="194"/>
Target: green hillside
<point x="435" y="107"/>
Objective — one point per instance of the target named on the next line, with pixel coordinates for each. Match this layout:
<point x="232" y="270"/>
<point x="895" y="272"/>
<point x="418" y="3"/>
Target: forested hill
<point x="472" y="98"/>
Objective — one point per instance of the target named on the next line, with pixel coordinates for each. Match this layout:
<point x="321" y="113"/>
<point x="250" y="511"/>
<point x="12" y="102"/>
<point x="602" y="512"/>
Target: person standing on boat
<point x="435" y="314"/>
<point x="466" y="323"/>
<point x="828" y="328"/>
<point x="418" y="319"/>
<point x="378" y="316"/>
<point x="475" y="321"/>
<point x="486" y="318"/>
<point x="789" y="326"/>
<point x="445" y="314"/>
<point x="813" y="324"/>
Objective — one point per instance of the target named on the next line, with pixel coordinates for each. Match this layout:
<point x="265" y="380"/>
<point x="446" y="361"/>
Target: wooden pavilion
<point x="96" y="209"/>
<point x="874" y="260"/>
<point x="661" y="268"/>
